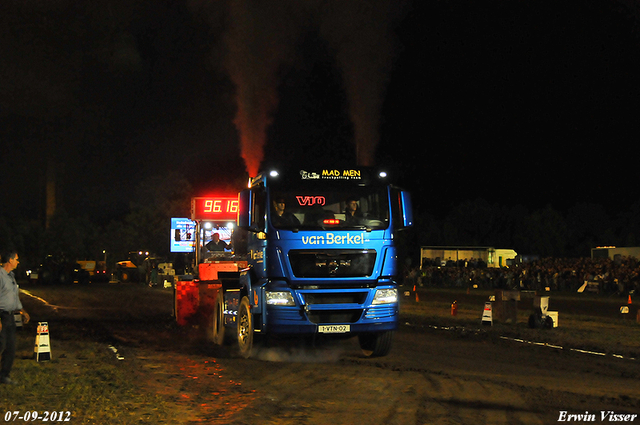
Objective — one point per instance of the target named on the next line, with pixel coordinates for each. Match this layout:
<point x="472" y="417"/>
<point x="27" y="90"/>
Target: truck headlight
<point x="280" y="298"/>
<point x="385" y="296"/>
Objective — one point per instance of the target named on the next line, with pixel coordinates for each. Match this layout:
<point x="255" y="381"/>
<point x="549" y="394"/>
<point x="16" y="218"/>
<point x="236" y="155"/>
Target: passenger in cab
<point x="352" y="213"/>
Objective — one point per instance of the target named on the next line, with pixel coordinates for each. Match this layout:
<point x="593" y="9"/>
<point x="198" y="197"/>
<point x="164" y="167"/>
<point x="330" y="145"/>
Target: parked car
<point x="58" y="270"/>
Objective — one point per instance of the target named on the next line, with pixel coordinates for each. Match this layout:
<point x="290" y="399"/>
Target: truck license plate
<point x="334" y="329"/>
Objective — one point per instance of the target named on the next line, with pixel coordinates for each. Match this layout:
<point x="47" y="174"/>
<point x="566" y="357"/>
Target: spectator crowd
<point x="558" y="274"/>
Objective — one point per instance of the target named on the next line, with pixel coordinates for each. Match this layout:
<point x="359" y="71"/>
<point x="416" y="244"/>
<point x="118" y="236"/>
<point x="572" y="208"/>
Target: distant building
<point x="463" y="255"/>
<point x="612" y="252"/>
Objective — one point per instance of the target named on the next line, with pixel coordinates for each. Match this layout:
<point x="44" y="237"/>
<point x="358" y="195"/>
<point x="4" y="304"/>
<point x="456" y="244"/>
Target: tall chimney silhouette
<point x="50" y="192"/>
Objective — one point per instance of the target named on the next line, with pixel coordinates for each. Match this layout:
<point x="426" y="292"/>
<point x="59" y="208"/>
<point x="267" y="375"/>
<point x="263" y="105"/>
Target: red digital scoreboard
<point x="214" y="208"/>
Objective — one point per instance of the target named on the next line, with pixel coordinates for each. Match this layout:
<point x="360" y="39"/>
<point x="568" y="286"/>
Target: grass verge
<point x="85" y="380"/>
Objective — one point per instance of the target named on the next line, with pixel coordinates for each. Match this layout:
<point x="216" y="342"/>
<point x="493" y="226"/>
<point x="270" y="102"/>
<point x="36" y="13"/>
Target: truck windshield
<point x="330" y="208"/>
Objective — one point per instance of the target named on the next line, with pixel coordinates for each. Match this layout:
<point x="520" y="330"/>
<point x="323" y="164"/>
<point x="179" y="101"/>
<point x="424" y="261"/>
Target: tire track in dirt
<point x="199" y="388"/>
<point x="437" y="397"/>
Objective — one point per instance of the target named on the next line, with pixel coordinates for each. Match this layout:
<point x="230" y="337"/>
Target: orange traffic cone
<point x="629" y="302"/>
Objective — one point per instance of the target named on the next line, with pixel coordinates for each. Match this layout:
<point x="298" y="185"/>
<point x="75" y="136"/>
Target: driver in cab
<point x="282" y="218"/>
<point x="216" y="244"/>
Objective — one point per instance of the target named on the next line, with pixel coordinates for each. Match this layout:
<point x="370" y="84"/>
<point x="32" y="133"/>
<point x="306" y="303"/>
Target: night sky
<point x="516" y="102"/>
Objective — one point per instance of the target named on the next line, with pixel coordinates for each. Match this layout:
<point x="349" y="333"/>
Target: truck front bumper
<point x="332" y="318"/>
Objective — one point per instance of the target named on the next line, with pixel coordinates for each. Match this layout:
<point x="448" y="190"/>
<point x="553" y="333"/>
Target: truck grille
<point x="335" y="316"/>
<point x="332" y="263"/>
<point x="334" y="297"/>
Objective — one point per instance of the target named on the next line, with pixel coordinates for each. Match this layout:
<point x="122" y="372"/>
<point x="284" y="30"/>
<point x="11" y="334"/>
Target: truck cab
<point x="321" y="257"/>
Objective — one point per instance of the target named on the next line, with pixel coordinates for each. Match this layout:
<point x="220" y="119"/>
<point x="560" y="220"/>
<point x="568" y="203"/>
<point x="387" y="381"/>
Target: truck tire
<point x="245" y="328"/>
<point x="376" y="344"/>
<point x="45" y="276"/>
<point x="65" y="278"/>
<point x="217" y="322"/>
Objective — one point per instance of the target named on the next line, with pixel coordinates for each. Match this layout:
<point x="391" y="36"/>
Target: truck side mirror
<point x="251" y="210"/>
<point x="244" y="209"/>
<point x="406" y="209"/>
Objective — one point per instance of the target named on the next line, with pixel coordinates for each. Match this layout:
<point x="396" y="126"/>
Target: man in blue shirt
<point x="9" y="304"/>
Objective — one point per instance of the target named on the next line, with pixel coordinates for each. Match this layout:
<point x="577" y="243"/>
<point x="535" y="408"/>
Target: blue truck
<point x="319" y="258"/>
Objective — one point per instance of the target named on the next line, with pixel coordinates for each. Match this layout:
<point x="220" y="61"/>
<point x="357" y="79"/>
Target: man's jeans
<point x="7" y="343"/>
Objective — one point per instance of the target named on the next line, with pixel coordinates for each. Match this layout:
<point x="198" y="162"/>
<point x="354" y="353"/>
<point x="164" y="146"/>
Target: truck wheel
<point x="45" y="276"/>
<point x="376" y="344"/>
<point x="218" y="331"/>
<point x="245" y="328"/>
<point x="65" y="278"/>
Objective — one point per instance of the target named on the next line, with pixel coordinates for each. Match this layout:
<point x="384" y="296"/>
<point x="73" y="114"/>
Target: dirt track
<point x="431" y="376"/>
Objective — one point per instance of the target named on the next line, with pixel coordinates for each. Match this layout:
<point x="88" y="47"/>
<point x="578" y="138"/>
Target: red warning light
<point x="331" y="221"/>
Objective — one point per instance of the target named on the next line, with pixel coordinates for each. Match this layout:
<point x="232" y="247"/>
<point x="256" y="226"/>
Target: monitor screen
<point x="183" y="235"/>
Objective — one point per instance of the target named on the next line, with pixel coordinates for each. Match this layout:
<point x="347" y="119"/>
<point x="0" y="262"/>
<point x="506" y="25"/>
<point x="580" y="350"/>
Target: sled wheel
<point x="218" y="330"/>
